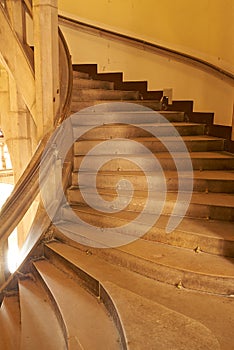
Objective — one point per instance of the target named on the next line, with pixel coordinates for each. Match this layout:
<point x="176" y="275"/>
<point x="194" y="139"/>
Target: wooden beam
<point x="46" y="56"/>
<point x="14" y="59"/>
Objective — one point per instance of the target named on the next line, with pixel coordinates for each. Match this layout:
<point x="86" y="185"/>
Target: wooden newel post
<point x="17" y="18"/>
<point x="46" y="55"/>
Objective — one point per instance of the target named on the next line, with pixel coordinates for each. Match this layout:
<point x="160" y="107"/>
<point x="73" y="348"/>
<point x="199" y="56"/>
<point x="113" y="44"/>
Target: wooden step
<point x="129" y="162"/>
<point x="176" y="266"/>
<point x="196" y="306"/>
<point x="80" y="75"/>
<point x="79" y="83"/>
<point x="210" y="236"/>
<point x="129" y="131"/>
<point x="154" y="322"/>
<point x="103" y="94"/>
<point x="193" y="144"/>
<point x="80" y="105"/>
<point x="117" y="79"/>
<point x="204" y="272"/>
<point x="203" y="181"/>
<point x="130" y="114"/>
<point x="40" y="327"/>
<point x="214" y="206"/>
<point x="81" y="312"/>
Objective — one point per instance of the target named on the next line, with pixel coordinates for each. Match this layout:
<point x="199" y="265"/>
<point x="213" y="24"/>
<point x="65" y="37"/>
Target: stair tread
<point x="80" y="74"/>
<point x="201" y="307"/>
<point x="152" y="144"/>
<point x="156" y="323"/>
<point x="143" y="112"/>
<point x="138" y="101"/>
<point x="77" y="79"/>
<point x="205" y="174"/>
<point x="36" y="314"/>
<point x="148" y="125"/>
<point x="146" y="116"/>
<point x="197" y="271"/>
<point x="82" y="95"/>
<point x="212" y="228"/>
<point x="193" y="155"/>
<point x="194" y="138"/>
<point x="126" y="117"/>
<point x="212" y="199"/>
<point x="104" y="131"/>
<point x="105" y="90"/>
<point x="182" y="259"/>
<point x="147" y="103"/>
<point x="72" y="301"/>
<point x="85" y="84"/>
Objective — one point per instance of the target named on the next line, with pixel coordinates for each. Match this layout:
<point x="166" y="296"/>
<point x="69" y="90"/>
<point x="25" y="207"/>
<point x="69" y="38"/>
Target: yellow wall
<point x="202" y="27"/>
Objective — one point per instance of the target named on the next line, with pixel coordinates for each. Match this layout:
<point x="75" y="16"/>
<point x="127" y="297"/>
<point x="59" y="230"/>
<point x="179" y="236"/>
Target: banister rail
<point x="147" y="46"/>
<point x="27" y="188"/>
<point x="66" y="80"/>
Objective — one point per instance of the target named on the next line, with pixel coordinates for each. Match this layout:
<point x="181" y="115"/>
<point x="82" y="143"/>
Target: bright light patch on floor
<point x="13" y="250"/>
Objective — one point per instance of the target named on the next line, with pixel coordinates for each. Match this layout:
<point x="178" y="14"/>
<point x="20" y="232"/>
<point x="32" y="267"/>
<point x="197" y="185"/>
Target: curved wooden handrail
<point x="146" y="45"/>
<point x="67" y="83"/>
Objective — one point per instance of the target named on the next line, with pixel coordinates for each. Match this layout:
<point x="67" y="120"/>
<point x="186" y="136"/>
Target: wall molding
<point x="148" y="46"/>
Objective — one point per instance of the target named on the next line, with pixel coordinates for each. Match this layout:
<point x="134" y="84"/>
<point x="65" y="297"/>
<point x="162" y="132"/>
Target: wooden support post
<point x="46" y="55"/>
<point x="3" y="160"/>
<point x="17" y="18"/>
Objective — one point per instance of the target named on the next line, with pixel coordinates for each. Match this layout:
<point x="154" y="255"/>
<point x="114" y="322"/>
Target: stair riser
<point x="137" y="205"/>
<point x="118" y="164"/>
<point x="97" y="94"/>
<point x="77" y="106"/>
<point x="92" y="84"/>
<point x="123" y="147"/>
<point x="179" y="238"/>
<point x="130" y="131"/>
<point x="110" y="181"/>
<point x="152" y="95"/>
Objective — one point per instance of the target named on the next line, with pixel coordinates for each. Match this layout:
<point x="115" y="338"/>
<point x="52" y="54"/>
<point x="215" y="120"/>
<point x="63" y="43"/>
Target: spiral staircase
<point x="162" y="290"/>
<point x="133" y="245"/>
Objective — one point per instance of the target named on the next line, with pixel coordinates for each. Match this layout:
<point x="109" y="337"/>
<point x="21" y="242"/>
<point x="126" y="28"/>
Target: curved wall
<point x="202" y="28"/>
